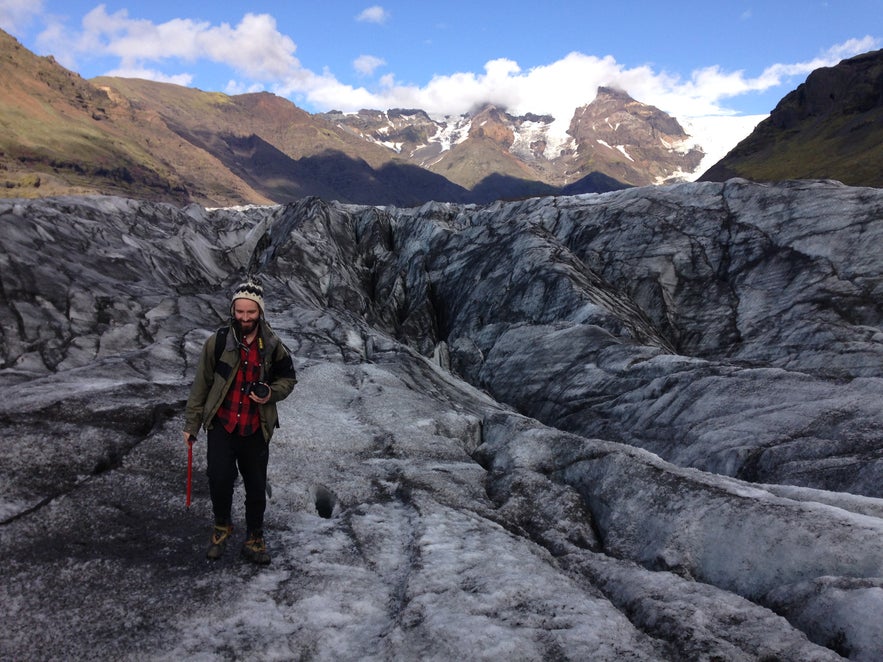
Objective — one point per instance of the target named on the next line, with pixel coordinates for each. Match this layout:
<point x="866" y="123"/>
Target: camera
<point x="259" y="389"/>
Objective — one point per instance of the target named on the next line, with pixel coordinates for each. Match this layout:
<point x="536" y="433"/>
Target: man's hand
<point x="188" y="439"/>
<point x="260" y="401"/>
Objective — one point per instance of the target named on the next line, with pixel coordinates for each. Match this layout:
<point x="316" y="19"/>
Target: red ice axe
<point x="189" y="470"/>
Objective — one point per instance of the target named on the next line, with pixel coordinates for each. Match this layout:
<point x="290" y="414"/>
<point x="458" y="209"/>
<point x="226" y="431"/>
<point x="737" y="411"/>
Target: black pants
<point x="227" y="451"/>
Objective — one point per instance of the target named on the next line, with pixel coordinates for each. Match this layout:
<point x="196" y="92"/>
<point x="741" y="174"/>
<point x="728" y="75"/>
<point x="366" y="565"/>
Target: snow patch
<point x="716" y="135"/>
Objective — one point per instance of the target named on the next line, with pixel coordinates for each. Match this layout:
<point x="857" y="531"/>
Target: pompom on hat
<point x="250" y="289"/>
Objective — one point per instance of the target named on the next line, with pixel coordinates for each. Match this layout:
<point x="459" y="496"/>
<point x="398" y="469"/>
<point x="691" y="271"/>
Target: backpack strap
<point x="220" y="342"/>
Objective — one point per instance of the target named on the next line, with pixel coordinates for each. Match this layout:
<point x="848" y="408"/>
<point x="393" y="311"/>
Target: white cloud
<point x="254" y="47"/>
<point x="366" y="65"/>
<point x="851" y="47"/>
<point x="234" y="87"/>
<point x="152" y="74"/>
<point x="540" y="89"/>
<point x="708" y="87"/>
<point x="374" y="14"/>
<point x="16" y="15"/>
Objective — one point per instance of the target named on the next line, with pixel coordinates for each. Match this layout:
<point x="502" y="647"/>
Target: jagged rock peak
<point x="852" y="86"/>
<point x="623" y="114"/>
<point x="410" y="113"/>
<point x="614" y="93"/>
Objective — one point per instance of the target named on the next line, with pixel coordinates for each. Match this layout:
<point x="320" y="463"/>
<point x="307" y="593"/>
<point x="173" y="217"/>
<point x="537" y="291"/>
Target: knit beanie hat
<point x="251" y="289"/>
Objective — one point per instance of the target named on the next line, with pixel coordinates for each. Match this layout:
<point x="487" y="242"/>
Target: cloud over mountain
<point x="260" y="55"/>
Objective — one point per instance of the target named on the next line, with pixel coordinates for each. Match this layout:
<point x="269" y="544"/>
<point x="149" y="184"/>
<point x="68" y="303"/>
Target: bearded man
<point x="244" y="370"/>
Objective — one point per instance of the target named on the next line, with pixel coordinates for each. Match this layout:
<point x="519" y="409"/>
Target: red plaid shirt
<point x="239" y="413"/>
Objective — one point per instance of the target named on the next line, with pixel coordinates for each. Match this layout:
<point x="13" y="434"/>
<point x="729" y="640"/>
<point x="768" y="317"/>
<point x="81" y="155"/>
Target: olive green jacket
<point x="213" y="380"/>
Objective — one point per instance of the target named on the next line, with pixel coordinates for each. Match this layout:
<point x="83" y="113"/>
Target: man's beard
<point x="242" y="329"/>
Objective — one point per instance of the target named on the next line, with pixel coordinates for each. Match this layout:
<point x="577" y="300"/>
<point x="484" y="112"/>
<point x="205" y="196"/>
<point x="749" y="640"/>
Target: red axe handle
<point x="189" y="471"/>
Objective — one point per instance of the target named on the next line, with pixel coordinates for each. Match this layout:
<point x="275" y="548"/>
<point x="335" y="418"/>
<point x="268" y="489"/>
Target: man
<point x="243" y="372"/>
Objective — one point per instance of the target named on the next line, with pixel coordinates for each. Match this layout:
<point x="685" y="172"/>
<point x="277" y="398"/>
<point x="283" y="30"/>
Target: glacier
<point x="637" y="425"/>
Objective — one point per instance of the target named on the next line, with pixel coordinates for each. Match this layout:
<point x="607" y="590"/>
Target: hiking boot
<point x="219" y="541"/>
<point x="255" y="550"/>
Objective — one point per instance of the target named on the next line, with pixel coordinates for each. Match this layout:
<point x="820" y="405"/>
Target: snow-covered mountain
<point x="632" y="142"/>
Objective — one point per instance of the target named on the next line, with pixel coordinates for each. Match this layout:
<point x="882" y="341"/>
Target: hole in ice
<point x="325" y="501"/>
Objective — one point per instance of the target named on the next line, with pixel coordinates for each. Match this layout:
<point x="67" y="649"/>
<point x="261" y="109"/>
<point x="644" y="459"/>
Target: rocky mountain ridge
<point x="831" y="126"/>
<point x="631" y="142"/>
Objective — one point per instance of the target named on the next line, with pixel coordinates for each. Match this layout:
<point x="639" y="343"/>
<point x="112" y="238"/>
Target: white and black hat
<point x="251" y="289"/>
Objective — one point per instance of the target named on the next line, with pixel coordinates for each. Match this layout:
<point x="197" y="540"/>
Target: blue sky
<point x="733" y="59"/>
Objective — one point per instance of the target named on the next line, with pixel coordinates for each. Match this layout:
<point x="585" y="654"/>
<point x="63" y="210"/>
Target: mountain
<point x="280" y="150"/>
<point x="62" y="134"/>
<point x="164" y="142"/>
<point x="156" y="141"/>
<point x="630" y="141"/>
<point x="623" y="139"/>
<point x="830" y="127"/>
<point x="640" y="425"/>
